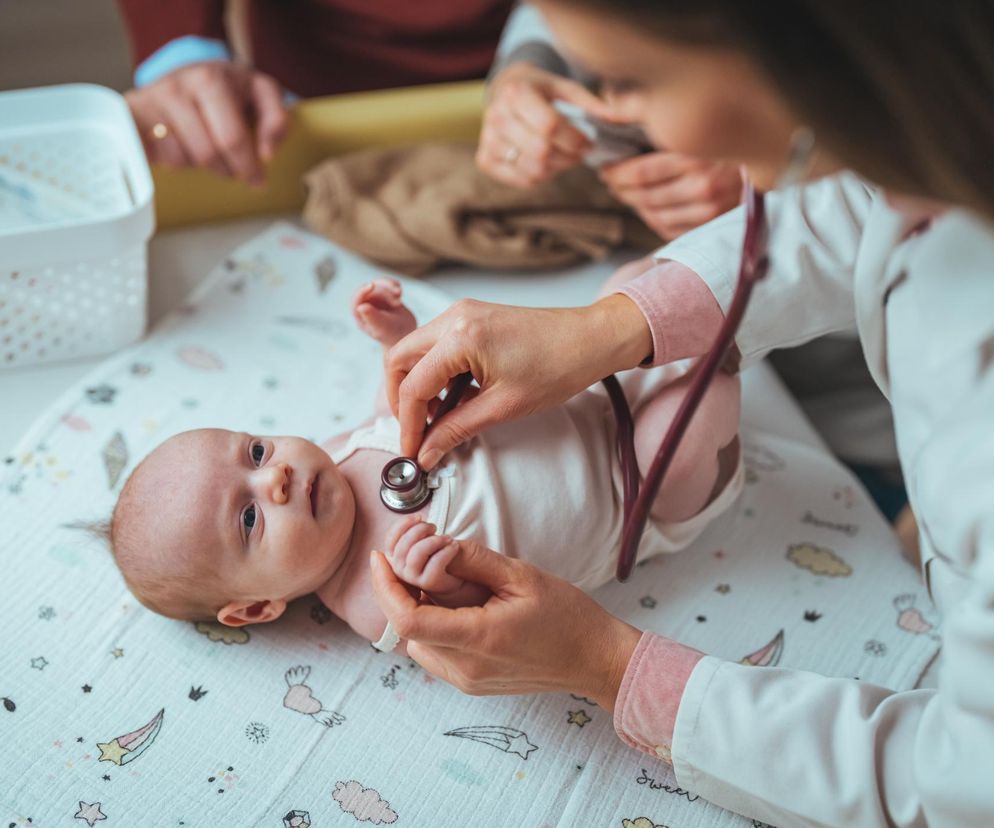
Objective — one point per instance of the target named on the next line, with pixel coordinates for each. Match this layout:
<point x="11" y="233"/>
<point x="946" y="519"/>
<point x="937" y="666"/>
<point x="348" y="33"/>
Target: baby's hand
<point x="420" y="557"/>
<point x="380" y="313"/>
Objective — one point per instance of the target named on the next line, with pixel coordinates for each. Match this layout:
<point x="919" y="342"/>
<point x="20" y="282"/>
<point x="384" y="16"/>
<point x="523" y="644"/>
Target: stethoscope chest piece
<point x="404" y="485"/>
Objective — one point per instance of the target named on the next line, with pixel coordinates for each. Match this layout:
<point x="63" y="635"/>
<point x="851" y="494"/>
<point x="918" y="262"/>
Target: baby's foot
<point x="420" y="557"/>
<point x="381" y="314"/>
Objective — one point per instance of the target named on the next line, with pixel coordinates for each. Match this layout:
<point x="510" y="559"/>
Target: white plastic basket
<point x="75" y="218"/>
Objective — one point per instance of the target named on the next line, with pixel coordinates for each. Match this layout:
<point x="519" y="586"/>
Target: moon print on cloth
<point x="505" y="739"/>
<point x="818" y="560"/>
<point x="768" y="656"/>
<point x="131" y="745"/>
<point x="365" y="804"/>
<point x="199" y="358"/>
<point x="115" y="457"/>
<point x="300" y="698"/>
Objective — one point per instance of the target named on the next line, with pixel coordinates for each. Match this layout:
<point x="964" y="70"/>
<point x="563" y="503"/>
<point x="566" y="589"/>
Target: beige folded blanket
<point x="416" y="208"/>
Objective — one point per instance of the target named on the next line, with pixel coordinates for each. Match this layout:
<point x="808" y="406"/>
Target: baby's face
<point x="275" y="513"/>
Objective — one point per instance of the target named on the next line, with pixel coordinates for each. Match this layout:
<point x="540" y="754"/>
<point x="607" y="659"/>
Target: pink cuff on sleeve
<point x="681" y="310"/>
<point x="650" y="694"/>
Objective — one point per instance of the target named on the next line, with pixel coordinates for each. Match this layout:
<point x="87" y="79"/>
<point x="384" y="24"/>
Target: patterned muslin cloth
<point x="115" y="717"/>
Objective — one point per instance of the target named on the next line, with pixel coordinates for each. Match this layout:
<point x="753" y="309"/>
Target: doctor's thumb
<point x="453" y="429"/>
<point x="484" y="566"/>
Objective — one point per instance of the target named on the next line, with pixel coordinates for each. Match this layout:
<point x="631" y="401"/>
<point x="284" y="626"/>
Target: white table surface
<point x="180" y="259"/>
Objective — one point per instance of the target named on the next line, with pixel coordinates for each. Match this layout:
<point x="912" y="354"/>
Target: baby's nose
<point x="277" y="481"/>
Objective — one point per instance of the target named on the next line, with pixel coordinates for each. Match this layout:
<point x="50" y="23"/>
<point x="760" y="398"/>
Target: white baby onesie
<point x="547" y="488"/>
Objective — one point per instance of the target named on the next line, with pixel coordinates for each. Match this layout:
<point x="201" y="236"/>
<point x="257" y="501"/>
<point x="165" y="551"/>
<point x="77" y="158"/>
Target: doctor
<point x="903" y="97"/>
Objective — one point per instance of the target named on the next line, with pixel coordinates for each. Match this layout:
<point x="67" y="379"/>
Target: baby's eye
<point x="248" y="518"/>
<point x="258" y="451"/>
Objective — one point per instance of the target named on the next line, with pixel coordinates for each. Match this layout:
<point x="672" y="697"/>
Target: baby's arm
<point x="420" y="558"/>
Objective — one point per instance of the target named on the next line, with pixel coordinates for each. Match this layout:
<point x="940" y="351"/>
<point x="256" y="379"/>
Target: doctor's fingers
<point x="414" y="621"/>
<point x="191" y="131"/>
<point x="223" y="104"/>
<point x="520" y="161"/>
<point x="154" y="127"/>
<point x="648" y="170"/>
<point x="717" y="186"/>
<point x="271" y="117"/>
<point x="487" y="408"/>
<point x="670" y="222"/>
<point x="527" y="97"/>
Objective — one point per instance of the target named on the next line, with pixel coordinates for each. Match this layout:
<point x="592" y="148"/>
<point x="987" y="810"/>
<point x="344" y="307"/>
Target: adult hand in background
<point x="524" y="360"/>
<point x="208" y="113"/>
<point x="536" y="633"/>
<point x="672" y="192"/>
<point x="525" y="140"/>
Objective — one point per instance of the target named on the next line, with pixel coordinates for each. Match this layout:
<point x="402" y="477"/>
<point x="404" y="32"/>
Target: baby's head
<point x="216" y="524"/>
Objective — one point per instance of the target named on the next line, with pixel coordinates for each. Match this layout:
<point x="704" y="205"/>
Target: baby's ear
<point x="240" y="613"/>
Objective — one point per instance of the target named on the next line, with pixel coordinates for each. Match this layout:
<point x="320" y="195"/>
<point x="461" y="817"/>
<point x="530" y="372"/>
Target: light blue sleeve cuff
<point x="179" y="52"/>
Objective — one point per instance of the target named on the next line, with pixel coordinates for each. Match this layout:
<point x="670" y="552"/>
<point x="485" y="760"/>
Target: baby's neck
<point x="349" y="592"/>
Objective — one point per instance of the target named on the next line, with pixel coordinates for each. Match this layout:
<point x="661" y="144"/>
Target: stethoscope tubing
<point x="638" y="498"/>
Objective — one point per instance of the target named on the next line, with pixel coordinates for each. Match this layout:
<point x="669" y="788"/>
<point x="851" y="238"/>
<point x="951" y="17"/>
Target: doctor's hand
<point x="204" y="114"/>
<point x="536" y="633"/>
<point x="525" y="140"/>
<point x="524" y="360"/>
<point x="672" y="192"/>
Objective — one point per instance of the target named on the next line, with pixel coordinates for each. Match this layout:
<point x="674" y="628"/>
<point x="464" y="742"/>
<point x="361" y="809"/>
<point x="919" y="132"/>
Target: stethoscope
<point x="405" y="485"/>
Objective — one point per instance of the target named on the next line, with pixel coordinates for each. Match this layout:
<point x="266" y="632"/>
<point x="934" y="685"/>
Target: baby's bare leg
<point x="708" y="452"/>
<point x="380" y="312"/>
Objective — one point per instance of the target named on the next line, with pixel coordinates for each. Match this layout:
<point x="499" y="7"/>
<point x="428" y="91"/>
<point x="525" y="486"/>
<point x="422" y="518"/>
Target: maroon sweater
<point x="322" y="47"/>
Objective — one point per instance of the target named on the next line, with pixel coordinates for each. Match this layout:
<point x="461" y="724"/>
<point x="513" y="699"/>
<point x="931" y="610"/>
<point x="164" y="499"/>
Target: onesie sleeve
<point x="815" y="235"/>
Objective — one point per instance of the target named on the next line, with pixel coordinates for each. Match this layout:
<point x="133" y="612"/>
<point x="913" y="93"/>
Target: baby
<point x="214" y="524"/>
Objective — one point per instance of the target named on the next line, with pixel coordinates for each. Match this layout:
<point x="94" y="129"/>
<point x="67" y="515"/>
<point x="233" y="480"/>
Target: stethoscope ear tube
<point x="638" y="499"/>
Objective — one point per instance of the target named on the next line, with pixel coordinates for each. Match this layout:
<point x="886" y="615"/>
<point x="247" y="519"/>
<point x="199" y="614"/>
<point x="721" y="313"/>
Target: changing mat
<point x="112" y="716"/>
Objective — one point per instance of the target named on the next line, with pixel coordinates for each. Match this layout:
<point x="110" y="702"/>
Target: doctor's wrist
<point x="620" y="330"/>
<point x="612" y="656"/>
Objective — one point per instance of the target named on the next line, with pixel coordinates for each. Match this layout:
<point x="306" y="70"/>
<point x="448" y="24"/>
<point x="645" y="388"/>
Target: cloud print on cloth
<point x="364" y="804"/>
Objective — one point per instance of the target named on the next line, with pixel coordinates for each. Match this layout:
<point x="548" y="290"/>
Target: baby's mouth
<point x="314" y="495"/>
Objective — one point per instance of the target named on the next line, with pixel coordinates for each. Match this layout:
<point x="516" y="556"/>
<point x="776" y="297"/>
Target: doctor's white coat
<point x="797" y="749"/>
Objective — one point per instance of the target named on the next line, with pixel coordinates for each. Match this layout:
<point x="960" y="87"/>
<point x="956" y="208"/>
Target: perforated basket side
<point x="72" y="309"/>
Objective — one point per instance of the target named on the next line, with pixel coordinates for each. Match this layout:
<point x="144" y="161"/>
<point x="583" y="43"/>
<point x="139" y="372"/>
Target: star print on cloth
<point x="117" y="652"/>
<point x="111" y="751"/>
<point x="39" y="663"/>
<point x="521" y="746"/>
<point x="90" y="812"/>
<point x="578" y="717"/>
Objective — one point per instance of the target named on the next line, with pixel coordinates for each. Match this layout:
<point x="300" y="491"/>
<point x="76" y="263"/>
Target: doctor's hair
<point x="901" y="92"/>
